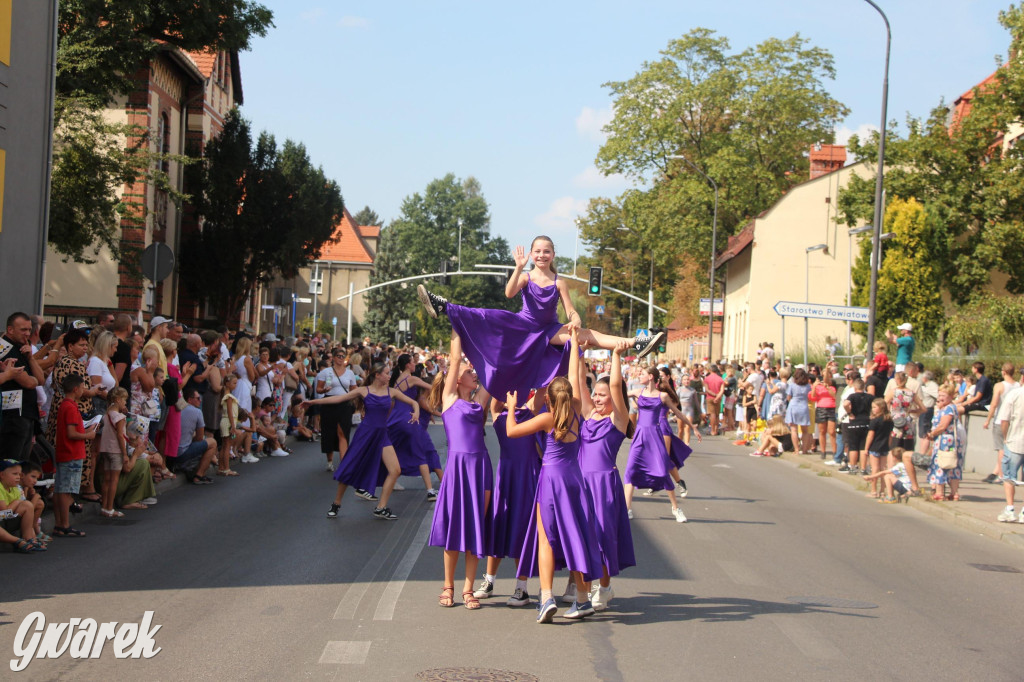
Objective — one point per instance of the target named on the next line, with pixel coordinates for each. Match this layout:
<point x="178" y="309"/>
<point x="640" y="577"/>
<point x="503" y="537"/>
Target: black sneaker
<point x="853" y="471"/>
<point x="365" y="495"/>
<point x="991" y="478"/>
<point x="845" y="468"/>
<point x="485" y="591"/>
<point x="431" y="495"/>
<point x="435" y="305"/>
<point x="333" y="513"/>
<point x="519" y="598"/>
<point x="681" y="488"/>
<point x="384" y="513"/>
<point x="645" y="344"/>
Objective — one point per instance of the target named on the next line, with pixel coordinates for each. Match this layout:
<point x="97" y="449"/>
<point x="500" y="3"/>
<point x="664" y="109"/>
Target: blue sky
<point x="387" y="96"/>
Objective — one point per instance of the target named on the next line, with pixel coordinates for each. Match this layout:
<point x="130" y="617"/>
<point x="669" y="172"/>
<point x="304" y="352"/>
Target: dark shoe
<point x="333" y="512"/>
<point x="645" y="344"/>
<point x="434" y="304"/>
<point x="991" y="478"/>
<point x="201" y="480"/>
<point x="384" y="513"/>
<point x="845" y="468"/>
<point x="365" y="495"/>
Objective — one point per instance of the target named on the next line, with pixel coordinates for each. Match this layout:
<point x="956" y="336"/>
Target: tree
<point x="367" y="216"/>
<point x="909" y="286"/>
<point x="424" y="236"/>
<point x="264" y="210"/>
<point x="962" y="175"/>
<point x="744" y="119"/>
<point x="101" y="45"/>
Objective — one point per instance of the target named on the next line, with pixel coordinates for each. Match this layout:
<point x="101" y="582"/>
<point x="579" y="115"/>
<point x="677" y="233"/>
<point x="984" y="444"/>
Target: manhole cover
<point x="481" y="674"/>
<point x="832" y="602"/>
<point x="995" y="568"/>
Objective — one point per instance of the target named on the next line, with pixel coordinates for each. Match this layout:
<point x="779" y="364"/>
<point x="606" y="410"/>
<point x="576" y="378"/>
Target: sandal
<point x="134" y="505"/>
<point x="954" y="498"/>
<point x="874" y="495"/>
<point x="24" y="547"/>
<point x="44" y="538"/>
<point x="112" y="513"/>
<point x="166" y="473"/>
<point x="447" y="598"/>
<point x="938" y="497"/>
<point x="67" y="532"/>
<point x="469" y="601"/>
<point x="91" y="497"/>
<point x="37" y="545"/>
<point x="226" y="472"/>
<point x="75" y="508"/>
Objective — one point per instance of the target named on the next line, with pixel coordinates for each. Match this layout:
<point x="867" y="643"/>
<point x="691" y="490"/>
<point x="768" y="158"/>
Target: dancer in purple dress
<point x="427" y="415"/>
<point x="515" y="487"/>
<point x="360" y="468"/>
<point x="606" y="421"/>
<point x="405" y="436"/>
<point x="649" y="465"/>
<point x="678" y="451"/>
<point x="562" y="532"/>
<point x="514" y="352"/>
<point x="460" y="517"/>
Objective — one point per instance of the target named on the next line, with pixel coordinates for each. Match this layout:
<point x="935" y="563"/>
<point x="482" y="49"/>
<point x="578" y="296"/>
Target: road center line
<point x="393" y="590"/>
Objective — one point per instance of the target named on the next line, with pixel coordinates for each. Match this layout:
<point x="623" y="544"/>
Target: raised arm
<point x="619" y="408"/>
<point x="586" y="401"/>
<point x="542" y="422"/>
<point x="574" y="367"/>
<point x="450" y="392"/>
<point x="517" y="280"/>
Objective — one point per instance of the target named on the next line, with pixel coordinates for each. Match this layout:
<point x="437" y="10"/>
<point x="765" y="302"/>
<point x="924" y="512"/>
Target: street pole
<point x="807" y="288"/>
<point x="849" y="282"/>
<point x="650" y="295"/>
<point x="576" y="248"/>
<point x="316" y="292"/>
<point x="714" y="251"/>
<point x="877" y="241"/>
<point x="460" y="245"/>
<point x="351" y="297"/>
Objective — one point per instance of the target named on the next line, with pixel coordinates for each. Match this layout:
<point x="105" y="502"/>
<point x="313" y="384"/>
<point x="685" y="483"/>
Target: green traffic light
<point x="593" y="289"/>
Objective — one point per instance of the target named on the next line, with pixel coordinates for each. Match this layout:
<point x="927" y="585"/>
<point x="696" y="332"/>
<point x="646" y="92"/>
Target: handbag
<point x="948" y="459"/>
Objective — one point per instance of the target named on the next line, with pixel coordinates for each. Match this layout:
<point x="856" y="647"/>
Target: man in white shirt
<point x="1012" y="426"/>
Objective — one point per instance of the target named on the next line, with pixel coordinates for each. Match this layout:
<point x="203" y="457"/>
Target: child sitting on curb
<point x="896" y="480"/>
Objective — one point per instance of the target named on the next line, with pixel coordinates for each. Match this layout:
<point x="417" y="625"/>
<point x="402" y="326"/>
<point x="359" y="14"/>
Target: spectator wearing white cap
<point x="904" y="345"/>
<point x="157" y="332"/>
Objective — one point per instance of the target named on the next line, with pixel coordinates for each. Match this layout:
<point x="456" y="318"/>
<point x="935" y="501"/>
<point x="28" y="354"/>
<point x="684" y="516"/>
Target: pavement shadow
<point x="648" y="607"/>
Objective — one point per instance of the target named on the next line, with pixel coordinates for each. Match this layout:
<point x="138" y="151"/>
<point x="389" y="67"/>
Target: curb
<point x="91" y="510"/>
<point x="941" y="510"/>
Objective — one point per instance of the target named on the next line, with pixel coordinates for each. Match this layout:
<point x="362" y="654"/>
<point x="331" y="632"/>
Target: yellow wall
<point x="6" y="7"/>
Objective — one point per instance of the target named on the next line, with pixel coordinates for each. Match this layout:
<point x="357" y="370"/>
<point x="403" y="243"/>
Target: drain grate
<point x="474" y="675"/>
<point x="832" y="602"/>
<point x="995" y="568"/>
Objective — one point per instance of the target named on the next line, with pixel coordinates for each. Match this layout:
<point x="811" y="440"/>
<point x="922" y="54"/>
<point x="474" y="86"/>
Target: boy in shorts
<point x="16" y="512"/>
<point x="70" y="447"/>
<point x="897" y="480"/>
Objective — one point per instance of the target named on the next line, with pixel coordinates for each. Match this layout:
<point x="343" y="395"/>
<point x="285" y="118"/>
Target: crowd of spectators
<point x="101" y="413"/>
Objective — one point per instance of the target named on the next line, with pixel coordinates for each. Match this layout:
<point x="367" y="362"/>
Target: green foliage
<point x="322" y="325"/>
<point x="367" y="216"/>
<point x="101" y="45"/>
<point x="995" y="323"/>
<point x="909" y="286"/>
<point x="745" y="119"/>
<point x="265" y="211"/>
<point x="958" y="172"/>
<point x="418" y="241"/>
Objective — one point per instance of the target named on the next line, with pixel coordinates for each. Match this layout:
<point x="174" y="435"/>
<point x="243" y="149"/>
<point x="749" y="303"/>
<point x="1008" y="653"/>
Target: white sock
<point x="544" y="596"/>
<point x="489" y="578"/>
<point x="1009" y="508"/>
<point x="521" y="585"/>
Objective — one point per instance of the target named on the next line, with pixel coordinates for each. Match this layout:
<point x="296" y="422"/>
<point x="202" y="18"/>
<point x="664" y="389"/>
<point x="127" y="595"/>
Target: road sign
<point x="705" y="306"/>
<point x="599" y="309"/>
<point x="268" y="307"/>
<point x="303" y="299"/>
<point x="643" y="332"/>
<point x="157" y="262"/>
<point x="334" y="321"/>
<point x="819" y="311"/>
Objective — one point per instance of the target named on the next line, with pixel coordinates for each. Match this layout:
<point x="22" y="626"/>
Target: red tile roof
<point x="699" y="332"/>
<point x="347" y="245"/>
<point x="370" y="231"/>
<point x="736" y="244"/>
<point x="205" y="61"/>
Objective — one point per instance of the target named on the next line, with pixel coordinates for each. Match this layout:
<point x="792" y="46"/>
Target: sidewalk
<point x="976" y="511"/>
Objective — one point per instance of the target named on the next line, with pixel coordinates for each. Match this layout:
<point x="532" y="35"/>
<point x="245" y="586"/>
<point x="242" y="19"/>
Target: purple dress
<point x="433" y="459"/>
<point x="513" y="351"/>
<point x="680" y="450"/>
<point x="648" y="462"/>
<point x="360" y="467"/>
<point x="567" y="513"/>
<point x="460" y="516"/>
<point x="515" y="488"/>
<point x="601" y="441"/>
<point x="405" y="436"/>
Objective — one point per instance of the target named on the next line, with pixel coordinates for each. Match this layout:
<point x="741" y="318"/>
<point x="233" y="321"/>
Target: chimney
<point x="826" y="158"/>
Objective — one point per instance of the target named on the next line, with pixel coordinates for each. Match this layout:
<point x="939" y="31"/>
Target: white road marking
<point x="807" y="639"/>
<point x="393" y="590"/>
<point x="740" y="573"/>
<point x="350" y="653"/>
<point x="721" y="466"/>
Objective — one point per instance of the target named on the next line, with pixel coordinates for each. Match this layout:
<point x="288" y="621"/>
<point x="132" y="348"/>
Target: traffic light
<point x="596" y="274"/>
<point x="664" y="340"/>
<point x="445" y="280"/>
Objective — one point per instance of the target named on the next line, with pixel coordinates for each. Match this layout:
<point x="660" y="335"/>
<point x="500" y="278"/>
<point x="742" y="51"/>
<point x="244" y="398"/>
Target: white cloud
<point x="863" y="131"/>
<point x="312" y="14"/>
<point x="592" y="178"/>
<point x="590" y="122"/>
<point x="561" y="214"/>
<point x="350" y="21"/>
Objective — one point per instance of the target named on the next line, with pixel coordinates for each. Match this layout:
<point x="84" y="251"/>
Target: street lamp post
<point x="807" y="287"/>
<point x="650" y="285"/>
<point x="576" y="249"/>
<point x="877" y="242"/>
<point x="460" y="246"/>
<point x="849" y="282"/>
<point x="714" y="250"/>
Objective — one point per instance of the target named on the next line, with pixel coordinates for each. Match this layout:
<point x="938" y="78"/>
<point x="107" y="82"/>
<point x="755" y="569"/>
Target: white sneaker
<point x="329" y="467"/>
<point x="629" y="513"/>
<point x="399" y="486"/>
<point x="279" y="453"/>
<point x="148" y="501"/>
<point x="250" y="459"/>
<point x="831" y="463"/>
<point x="600" y="597"/>
<point x="680" y="516"/>
<point x="569" y="596"/>
<point x="1021" y="519"/>
<point x="1007" y="516"/>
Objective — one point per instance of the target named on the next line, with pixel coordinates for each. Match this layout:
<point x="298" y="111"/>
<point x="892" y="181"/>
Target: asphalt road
<point x="779" y="574"/>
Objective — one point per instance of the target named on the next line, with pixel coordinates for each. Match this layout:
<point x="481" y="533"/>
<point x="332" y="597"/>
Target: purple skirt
<point x="408" y="448"/>
<point x="361" y="465"/>
<point x="679" y="452"/>
<point x="613" y="532"/>
<point x="567" y="513"/>
<point x="433" y="459"/>
<point x="512" y="506"/>
<point x="460" y="514"/>
<point x="648" y="463"/>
